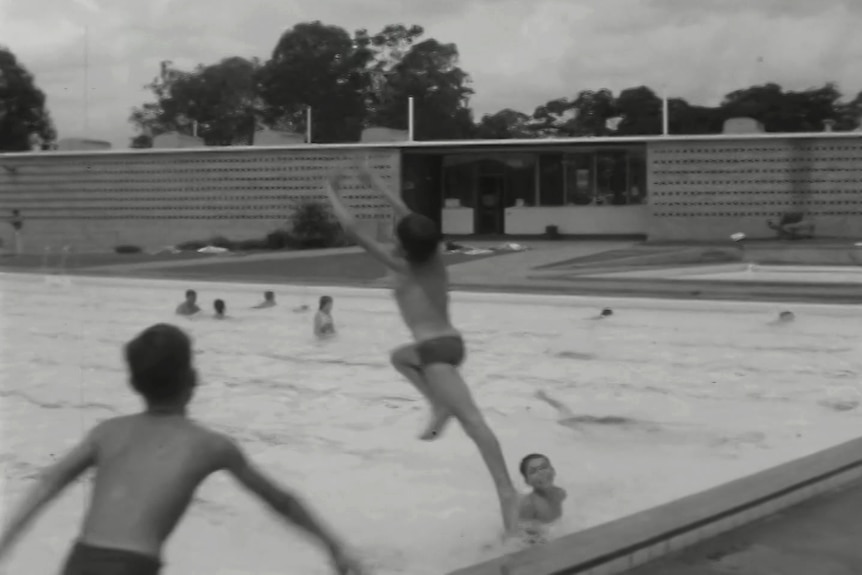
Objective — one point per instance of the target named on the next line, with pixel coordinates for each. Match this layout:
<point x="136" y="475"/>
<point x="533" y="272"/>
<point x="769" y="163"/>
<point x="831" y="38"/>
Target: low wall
<point x="579" y="220"/>
<point x="158" y="198"/>
<point x="638" y="539"/>
<point x="710" y="189"/>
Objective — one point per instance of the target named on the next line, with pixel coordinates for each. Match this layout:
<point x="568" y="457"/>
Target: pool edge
<point x="635" y="540"/>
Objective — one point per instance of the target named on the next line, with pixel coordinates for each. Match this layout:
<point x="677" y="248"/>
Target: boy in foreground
<point x="431" y="363"/>
<point x="544" y="504"/>
<point x="148" y="467"/>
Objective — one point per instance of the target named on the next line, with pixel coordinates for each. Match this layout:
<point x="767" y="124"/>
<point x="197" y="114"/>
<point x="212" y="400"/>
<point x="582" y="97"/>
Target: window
<point x="612" y="178"/>
<point x="551" y="180"/>
<point x="521" y="176"/>
<point x="579" y="179"/>
<point x="458" y="184"/>
<point x="637" y="177"/>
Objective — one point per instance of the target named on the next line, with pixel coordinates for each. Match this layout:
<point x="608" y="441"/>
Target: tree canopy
<point x="24" y="119"/>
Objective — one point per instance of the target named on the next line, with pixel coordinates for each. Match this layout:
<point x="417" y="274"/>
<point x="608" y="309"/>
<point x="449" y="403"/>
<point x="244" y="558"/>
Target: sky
<point x="519" y="53"/>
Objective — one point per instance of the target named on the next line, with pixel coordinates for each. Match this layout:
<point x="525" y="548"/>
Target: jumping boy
<point x="431" y="363"/>
<point x="148" y="467"/>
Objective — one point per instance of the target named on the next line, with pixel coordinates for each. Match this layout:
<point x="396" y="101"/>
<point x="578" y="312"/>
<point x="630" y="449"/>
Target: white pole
<point x="410" y="119"/>
<point x="665" y="114"/>
<point x="86" y="81"/>
<point x="195" y="128"/>
<point x="308" y="125"/>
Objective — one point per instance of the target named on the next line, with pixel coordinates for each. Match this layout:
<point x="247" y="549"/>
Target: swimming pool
<point x="722" y="392"/>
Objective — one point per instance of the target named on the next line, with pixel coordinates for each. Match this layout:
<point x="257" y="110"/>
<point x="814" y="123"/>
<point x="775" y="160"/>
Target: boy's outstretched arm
<point x="372" y="180"/>
<point x="50" y="484"/>
<point x="285" y="504"/>
<point x="348" y="222"/>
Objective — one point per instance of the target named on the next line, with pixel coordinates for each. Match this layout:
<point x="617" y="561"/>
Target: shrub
<point x="221" y="242"/>
<point x="279" y="240"/>
<point x="313" y="226"/>
<point x="127" y="249"/>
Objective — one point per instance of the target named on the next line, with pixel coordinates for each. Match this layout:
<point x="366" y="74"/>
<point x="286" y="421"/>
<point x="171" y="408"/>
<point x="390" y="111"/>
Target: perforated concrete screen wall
<point x="707" y="190"/>
<point x="98" y="201"/>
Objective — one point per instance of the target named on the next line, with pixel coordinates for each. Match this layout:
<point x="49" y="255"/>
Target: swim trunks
<point x="87" y="560"/>
<point x="447" y="349"/>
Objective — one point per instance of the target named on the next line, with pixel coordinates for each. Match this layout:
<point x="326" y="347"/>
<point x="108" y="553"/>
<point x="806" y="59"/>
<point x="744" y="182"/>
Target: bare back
<point x="422" y="294"/>
<point x="147" y="470"/>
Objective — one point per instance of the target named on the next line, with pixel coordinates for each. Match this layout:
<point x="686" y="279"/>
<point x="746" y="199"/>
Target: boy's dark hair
<point x="160" y="363"/>
<point x="527" y="459"/>
<point x="419" y="237"/>
<point x="191" y="292"/>
<point x="324" y="299"/>
<point x="219" y="305"/>
<point x="269" y="295"/>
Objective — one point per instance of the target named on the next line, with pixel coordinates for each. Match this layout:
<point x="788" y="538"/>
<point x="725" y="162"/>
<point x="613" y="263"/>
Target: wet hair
<point x="526" y="461"/>
<point x="419" y="237"/>
<point x="190" y="293"/>
<point x="324" y="299"/>
<point x="160" y="363"/>
<point x="268" y="295"/>
<point x="219" y="305"/>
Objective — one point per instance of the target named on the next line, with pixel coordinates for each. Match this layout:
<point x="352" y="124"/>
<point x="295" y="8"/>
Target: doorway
<point x="489" y="205"/>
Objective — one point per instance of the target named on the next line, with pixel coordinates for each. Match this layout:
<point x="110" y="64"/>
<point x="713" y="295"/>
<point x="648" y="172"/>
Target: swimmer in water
<point x="268" y="300"/>
<point x="431" y="364"/>
<point x="323" y="325"/>
<point x="148" y="467"/>
<point x="545" y="504"/>
<point x="220" y="309"/>
<point x="190" y="306"/>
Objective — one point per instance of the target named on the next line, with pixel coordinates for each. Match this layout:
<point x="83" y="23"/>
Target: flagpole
<point x="308" y="125"/>
<point x="86" y="81"/>
<point x="410" y="119"/>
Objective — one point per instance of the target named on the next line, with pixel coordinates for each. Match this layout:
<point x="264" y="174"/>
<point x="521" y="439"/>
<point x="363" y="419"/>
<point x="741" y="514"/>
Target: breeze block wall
<point x="710" y="189"/>
<point x="153" y="199"/>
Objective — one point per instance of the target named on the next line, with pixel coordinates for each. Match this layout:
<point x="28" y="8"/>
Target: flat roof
<point x="453" y="145"/>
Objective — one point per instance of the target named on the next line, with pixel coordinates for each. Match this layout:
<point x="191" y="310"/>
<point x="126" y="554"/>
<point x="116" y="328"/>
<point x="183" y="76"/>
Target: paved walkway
<point x="819" y="537"/>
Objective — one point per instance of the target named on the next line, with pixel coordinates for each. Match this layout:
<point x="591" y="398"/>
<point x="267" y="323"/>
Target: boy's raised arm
<point x="348" y="222"/>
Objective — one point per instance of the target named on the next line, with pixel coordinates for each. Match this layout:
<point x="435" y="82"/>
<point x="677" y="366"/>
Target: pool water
<point x="716" y="391"/>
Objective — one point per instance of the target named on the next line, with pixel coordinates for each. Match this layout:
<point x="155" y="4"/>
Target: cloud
<point x="520" y="53"/>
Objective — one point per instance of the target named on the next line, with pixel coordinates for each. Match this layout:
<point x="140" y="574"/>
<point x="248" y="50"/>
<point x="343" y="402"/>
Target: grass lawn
<point x="356" y="267"/>
<point x="31" y="262"/>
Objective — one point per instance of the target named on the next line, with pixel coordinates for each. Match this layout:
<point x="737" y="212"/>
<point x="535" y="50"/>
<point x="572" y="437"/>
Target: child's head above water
<point x="269" y="296"/>
<point x="160" y="365"/>
<point x="191" y="295"/>
<point x="538" y="471"/>
<point x="219" y="306"/>
<point x="325" y="303"/>
<point x="418" y="237"/>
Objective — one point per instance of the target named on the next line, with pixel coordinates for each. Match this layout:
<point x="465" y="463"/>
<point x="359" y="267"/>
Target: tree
<point x="781" y="111"/>
<point x="427" y="72"/>
<point x="586" y="115"/>
<point x="24" y="119"/>
<point x="322" y="67"/>
<point x="640" y="111"/>
<point x="505" y="124"/>
<point x="221" y="99"/>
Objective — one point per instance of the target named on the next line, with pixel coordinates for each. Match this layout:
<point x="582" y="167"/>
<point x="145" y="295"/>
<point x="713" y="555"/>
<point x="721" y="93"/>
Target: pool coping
<point x="637" y="539"/>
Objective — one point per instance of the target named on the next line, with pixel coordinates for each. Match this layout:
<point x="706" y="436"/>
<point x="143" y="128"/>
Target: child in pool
<point x="189" y="306"/>
<point x="268" y="300"/>
<point x="544" y="504"/>
<point x="323" y="325"/>
<point x="148" y="467"/>
<point x="220" y="309"/>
